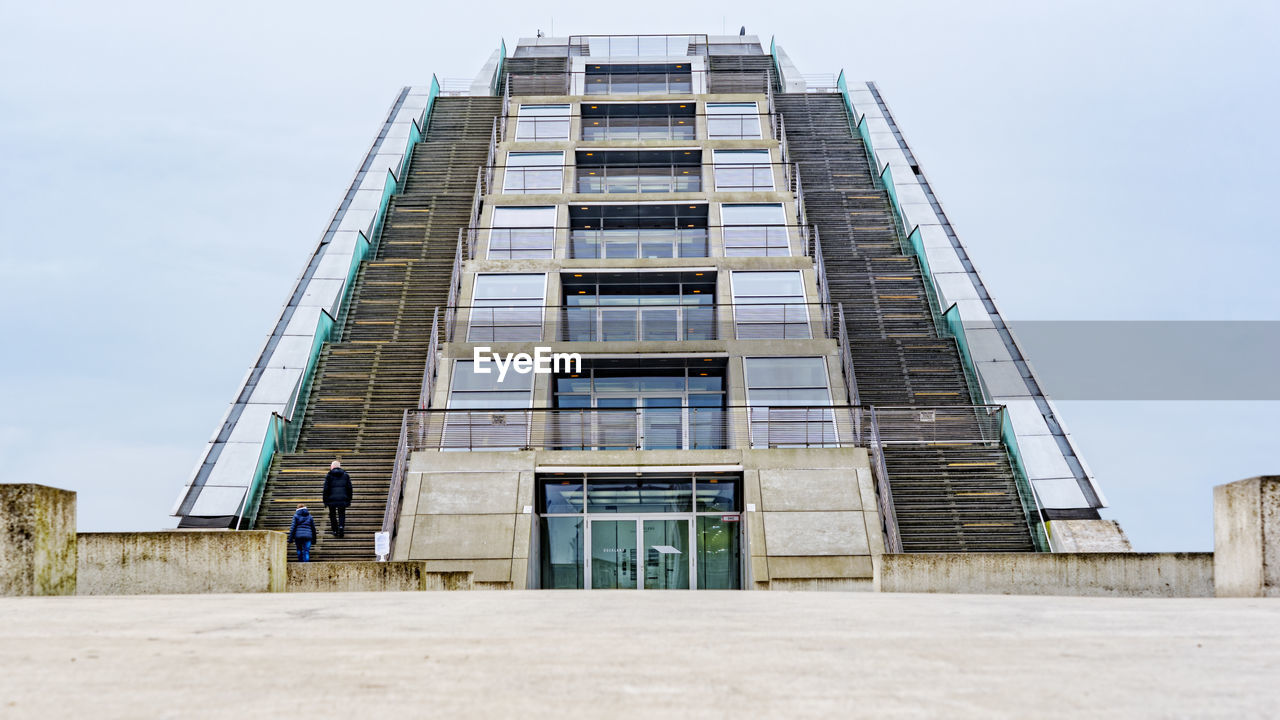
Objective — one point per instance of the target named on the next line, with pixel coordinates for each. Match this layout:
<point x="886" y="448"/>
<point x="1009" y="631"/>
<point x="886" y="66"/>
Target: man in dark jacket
<point x="337" y="496"/>
<point x="302" y="531"/>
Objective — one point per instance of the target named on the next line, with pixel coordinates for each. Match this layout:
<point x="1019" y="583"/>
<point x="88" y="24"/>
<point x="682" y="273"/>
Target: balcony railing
<point x="639" y="323"/>
<point x="712" y="126"/>
<point x="654" y="428"/>
<point x="523" y="243"/>
<point x="641" y="179"/>
<point x="679" y="83"/>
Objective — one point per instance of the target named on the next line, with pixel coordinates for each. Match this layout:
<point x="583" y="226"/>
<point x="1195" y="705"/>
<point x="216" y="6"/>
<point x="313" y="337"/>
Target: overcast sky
<point x="166" y="168"/>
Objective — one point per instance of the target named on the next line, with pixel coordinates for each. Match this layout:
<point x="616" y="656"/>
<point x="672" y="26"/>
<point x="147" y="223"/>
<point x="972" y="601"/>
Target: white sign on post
<point x="382" y="545"/>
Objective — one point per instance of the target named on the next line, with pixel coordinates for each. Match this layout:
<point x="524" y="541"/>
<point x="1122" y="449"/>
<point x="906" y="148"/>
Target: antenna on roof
<point x="742" y="31"/>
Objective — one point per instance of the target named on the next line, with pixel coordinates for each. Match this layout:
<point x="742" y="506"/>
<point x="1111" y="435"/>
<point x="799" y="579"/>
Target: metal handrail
<point x="455" y="282"/>
<point x="638" y="323"/>
<point x="680" y="178"/>
<point x="429" y="371"/>
<point x="575" y="83"/>
<point x="652" y="428"/>
<point x="884" y="493"/>
<point x="391" y="513"/>
<point x="779" y="240"/>
<point x="661" y="123"/>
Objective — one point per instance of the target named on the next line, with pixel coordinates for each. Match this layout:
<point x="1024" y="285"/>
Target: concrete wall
<point x="372" y="576"/>
<point x="195" y="561"/>
<point x="1087" y="536"/>
<point x="37" y="540"/>
<point x="1246" y="537"/>
<point x="1124" y="574"/>
<point x="811" y="514"/>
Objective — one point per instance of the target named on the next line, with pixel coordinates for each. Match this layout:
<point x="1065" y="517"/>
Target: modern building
<point x="648" y="312"/>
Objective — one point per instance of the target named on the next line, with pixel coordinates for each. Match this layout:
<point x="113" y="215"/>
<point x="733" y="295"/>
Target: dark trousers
<point x="337" y="518"/>
<point x="304" y="549"/>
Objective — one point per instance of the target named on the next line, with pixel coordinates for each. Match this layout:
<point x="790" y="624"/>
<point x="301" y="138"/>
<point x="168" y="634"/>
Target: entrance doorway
<point x="658" y="531"/>
<point x="640" y="553"/>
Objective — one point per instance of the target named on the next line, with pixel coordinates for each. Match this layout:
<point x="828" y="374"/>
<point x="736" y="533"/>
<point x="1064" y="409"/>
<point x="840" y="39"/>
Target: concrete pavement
<point x="713" y="654"/>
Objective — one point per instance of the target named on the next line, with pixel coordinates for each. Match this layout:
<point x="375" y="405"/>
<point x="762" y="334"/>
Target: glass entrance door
<point x="613" y="554"/>
<point x="661" y="561"/>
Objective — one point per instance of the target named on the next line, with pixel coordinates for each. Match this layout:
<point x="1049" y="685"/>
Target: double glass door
<point x="640" y="553"/>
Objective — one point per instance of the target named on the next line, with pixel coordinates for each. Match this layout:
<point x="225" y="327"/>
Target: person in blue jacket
<point x="303" y="532"/>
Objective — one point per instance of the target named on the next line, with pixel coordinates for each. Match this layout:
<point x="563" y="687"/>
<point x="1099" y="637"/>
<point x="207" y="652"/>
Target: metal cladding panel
<point x="321" y="293"/>
<point x="918" y="214"/>
<point x="343" y="241"/>
<point x="275" y="386"/>
<point x="955" y="286"/>
<point x="934" y="236"/>
<point x="1042" y="457"/>
<point x="986" y="345"/>
<point x="1060" y="494"/>
<point x="370" y="199"/>
<point x="358" y="220"/>
<point x="1003" y="379"/>
<point x="215" y="501"/>
<point x="235" y="466"/>
<point x="292" y="351"/>
<point x="253" y="423"/>
<point x="303" y="322"/>
<point x="334" y="266"/>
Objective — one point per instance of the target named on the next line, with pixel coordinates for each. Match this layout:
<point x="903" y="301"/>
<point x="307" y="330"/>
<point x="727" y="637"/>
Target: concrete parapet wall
<point x="1246" y="537"/>
<point x="182" y="561"/>
<point x="372" y="576"/>
<point x="1123" y="574"/>
<point x="37" y="540"/>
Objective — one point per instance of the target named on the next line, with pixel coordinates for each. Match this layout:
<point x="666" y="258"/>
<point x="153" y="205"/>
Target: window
<point x="770" y="305"/>
<point x="639" y="79"/>
<point x="755" y="230"/>
<point x="638" y="231"/>
<point x="542" y="122"/>
<point x="472" y="390"/>
<point x="789" y="399"/>
<point x="641" y="306"/>
<point x="639" y="171"/>
<point x="638" y="121"/>
<point x="743" y="170"/>
<point x="507" y="308"/>
<point x="522" y="232"/>
<point x="478" y="395"/>
<point x="534" y="173"/>
<point x="733" y="121"/>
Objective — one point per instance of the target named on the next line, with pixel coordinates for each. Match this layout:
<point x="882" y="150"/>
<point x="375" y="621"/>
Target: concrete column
<point x="1246" y="538"/>
<point x="37" y="540"/>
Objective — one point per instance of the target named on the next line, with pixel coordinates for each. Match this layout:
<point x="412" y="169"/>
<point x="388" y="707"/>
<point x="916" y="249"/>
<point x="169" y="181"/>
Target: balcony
<point x="658" y="428"/>
<point x="638" y="323"/>
<point x="517" y="243"/>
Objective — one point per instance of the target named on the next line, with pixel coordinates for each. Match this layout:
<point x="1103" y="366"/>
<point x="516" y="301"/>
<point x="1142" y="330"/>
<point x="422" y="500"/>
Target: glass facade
<point x="655" y="532"/>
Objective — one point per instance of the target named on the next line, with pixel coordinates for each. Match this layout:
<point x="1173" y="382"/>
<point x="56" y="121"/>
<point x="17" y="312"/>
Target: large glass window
<point x="639" y="171"/>
<point x="743" y="170"/>
<point x="639" y="79"/>
<point x="534" y="173"/>
<point x="659" y="306"/>
<point x="603" y="46"/>
<point x="659" y="531"/>
<point x="507" y="307"/>
<point x="542" y="122"/>
<point x="477" y="401"/>
<point x="737" y="121"/>
<point x="770" y="304"/>
<point x="650" y="403"/>
<point x="522" y="232"/>
<point x="648" y="230"/>
<point x="789" y="399"/>
<point x="638" y="121"/>
<point x="757" y="230"/>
